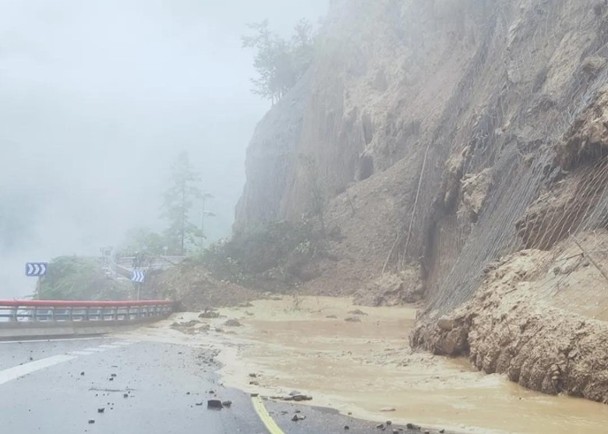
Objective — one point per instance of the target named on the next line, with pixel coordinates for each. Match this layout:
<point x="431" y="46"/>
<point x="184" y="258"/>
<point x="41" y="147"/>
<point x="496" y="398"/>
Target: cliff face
<point x="270" y="159"/>
<point x="445" y="134"/>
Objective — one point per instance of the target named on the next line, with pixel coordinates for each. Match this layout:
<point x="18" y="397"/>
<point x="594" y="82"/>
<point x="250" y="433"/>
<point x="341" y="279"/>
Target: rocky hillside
<point x="445" y="135"/>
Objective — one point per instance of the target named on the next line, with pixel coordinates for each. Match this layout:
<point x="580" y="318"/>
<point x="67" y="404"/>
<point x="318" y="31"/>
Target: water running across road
<point x="364" y="366"/>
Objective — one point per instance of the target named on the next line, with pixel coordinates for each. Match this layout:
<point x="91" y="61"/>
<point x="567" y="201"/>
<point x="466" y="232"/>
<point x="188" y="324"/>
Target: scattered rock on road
<point x="293" y="396"/>
<point x="214" y="404"/>
<point x="301" y="397"/>
<point x="352" y="319"/>
<point x="357" y="312"/>
<point x="233" y="323"/>
<point x="209" y="313"/>
<point x="227" y="403"/>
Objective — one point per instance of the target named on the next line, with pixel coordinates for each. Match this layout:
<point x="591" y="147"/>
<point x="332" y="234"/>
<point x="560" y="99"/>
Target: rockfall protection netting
<point x="535" y="199"/>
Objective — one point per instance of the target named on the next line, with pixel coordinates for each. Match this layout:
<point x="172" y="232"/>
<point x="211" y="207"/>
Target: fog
<point x="97" y="98"/>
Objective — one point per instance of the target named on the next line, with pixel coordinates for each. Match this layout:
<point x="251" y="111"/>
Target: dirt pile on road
<point x="392" y="289"/>
<point x="195" y="288"/>
<point x="526" y="322"/>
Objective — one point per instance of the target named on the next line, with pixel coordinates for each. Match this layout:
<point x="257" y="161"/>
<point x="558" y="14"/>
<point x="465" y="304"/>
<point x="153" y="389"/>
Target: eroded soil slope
<point x="539" y="317"/>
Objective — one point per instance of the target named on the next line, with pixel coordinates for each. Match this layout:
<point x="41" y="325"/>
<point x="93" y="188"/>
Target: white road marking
<point x="95" y="350"/>
<point x="80" y="353"/>
<point x="27" y="368"/>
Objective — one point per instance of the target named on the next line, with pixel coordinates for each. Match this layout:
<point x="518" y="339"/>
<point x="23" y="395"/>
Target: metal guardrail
<point x="47" y="312"/>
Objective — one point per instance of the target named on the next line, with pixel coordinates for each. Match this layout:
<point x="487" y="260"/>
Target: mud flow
<point x="357" y="360"/>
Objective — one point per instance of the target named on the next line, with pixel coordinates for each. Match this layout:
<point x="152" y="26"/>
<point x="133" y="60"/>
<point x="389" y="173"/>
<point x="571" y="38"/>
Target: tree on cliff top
<point x="178" y="202"/>
<point x="279" y="63"/>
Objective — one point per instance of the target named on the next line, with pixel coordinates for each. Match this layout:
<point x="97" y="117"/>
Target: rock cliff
<point x="446" y="134"/>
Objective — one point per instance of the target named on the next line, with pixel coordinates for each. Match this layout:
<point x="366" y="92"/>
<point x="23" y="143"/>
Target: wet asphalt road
<point x="109" y="385"/>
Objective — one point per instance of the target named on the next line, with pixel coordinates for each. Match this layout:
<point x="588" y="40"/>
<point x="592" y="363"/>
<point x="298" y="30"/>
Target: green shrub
<point x="277" y="251"/>
<point x="79" y="278"/>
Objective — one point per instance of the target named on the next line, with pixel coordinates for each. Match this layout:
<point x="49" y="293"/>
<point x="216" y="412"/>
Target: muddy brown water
<point x="365" y="367"/>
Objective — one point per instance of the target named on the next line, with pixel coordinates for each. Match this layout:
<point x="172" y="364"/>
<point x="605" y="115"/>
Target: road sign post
<point x="138" y="278"/>
<point x="35" y="269"/>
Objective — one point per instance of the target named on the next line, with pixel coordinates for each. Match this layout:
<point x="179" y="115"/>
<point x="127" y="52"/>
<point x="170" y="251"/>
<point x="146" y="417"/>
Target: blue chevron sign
<point x="35" y="269"/>
<point x="138" y="276"/>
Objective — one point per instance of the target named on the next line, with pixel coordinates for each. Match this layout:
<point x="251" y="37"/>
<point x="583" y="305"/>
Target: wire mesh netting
<point x="548" y="186"/>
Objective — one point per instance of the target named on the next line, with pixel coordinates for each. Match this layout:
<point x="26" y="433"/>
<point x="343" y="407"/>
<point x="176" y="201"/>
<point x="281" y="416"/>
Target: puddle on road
<point x="364" y="367"/>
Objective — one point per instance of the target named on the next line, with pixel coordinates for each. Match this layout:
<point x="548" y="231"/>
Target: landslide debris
<point x="197" y="289"/>
<point x="517" y="325"/>
<point x="392" y="289"/>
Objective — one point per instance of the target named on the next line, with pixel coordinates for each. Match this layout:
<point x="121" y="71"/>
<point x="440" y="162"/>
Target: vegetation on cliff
<point x="274" y="256"/>
<point x="279" y="62"/>
<point x="80" y="278"/>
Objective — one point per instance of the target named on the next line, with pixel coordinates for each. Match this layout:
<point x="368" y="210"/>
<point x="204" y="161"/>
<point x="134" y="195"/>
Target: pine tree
<point x="178" y="202"/>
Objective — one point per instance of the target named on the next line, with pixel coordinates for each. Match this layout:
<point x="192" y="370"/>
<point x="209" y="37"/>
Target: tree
<point x="318" y="195"/>
<point x="279" y="63"/>
<point x="178" y="201"/>
<point x="80" y="278"/>
<point x="145" y="241"/>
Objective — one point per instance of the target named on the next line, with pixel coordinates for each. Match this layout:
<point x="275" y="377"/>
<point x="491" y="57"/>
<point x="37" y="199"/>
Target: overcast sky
<point x="98" y="97"/>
